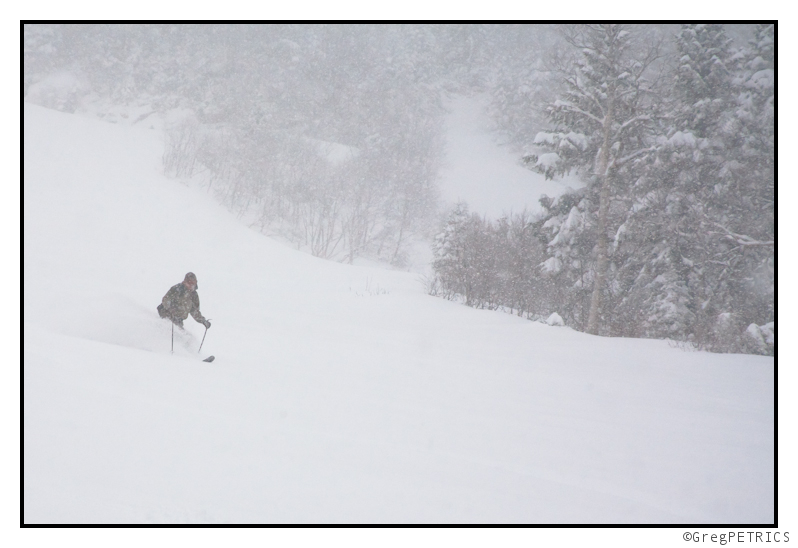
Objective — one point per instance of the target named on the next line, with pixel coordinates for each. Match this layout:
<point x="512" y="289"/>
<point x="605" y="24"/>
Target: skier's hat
<point x="191" y="277"/>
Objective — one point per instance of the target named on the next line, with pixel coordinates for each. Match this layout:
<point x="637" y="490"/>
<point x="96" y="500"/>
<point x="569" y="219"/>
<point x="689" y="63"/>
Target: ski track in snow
<point x="330" y="402"/>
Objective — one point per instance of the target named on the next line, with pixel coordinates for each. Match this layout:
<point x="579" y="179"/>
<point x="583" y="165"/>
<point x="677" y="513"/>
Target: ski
<point x="209" y="359"/>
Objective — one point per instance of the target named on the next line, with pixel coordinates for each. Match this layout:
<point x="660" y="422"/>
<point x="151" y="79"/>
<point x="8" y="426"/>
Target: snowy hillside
<point x="339" y="394"/>
<point x="484" y="174"/>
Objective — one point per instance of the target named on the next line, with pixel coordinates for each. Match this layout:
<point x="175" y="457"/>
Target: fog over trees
<point x="331" y="136"/>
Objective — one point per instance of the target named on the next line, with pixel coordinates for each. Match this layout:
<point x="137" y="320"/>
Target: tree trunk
<point x="604" y="206"/>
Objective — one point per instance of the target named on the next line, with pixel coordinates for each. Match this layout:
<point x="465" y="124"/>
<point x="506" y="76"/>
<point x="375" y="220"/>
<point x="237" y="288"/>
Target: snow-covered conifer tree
<point x="698" y="238"/>
<point x="661" y="236"/>
<point x="450" y="263"/>
<point x="600" y="127"/>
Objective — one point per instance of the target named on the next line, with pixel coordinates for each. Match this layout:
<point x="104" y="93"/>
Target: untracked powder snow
<point x="340" y="394"/>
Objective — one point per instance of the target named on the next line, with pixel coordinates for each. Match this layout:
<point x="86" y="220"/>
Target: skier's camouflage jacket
<point x="179" y="302"/>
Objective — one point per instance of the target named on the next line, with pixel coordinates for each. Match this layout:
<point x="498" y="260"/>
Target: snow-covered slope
<point x="484" y="174"/>
<point x="340" y="393"/>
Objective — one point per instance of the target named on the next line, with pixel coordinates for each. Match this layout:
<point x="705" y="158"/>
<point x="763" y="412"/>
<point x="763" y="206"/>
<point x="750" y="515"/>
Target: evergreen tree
<point x="744" y="225"/>
<point x="601" y="128"/>
<point x="698" y="238"/>
<point x="567" y="230"/>
<point x="451" y="255"/>
<point x="666" y="249"/>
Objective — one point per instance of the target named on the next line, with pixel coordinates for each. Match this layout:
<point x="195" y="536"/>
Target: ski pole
<point x="173" y="337"/>
<point x="203" y="340"/>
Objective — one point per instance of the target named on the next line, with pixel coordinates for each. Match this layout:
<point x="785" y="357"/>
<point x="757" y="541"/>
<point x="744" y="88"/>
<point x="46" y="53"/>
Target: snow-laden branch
<point x="572" y="108"/>
<point x="742" y="239"/>
<point x="632" y="155"/>
<point x="575" y="83"/>
<point x="641" y="118"/>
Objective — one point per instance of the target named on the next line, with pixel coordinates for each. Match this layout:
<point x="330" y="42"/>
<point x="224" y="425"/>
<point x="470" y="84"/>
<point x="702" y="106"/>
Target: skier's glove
<point x="207" y="324"/>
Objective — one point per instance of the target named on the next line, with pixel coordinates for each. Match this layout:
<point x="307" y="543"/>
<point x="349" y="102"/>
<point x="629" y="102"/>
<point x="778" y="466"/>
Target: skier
<point x="182" y="300"/>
